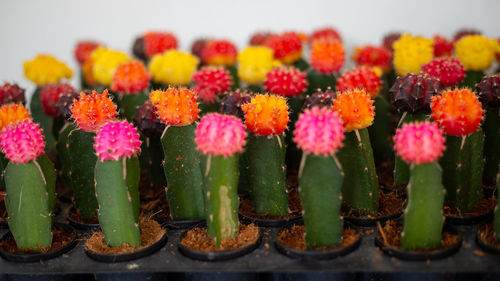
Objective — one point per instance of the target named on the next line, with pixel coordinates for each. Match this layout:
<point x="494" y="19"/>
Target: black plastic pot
<point x="420" y="256"/>
<point x="269" y="222"/>
<point x="218" y="255"/>
<point x="372" y="221"/>
<point x="20" y="257"/>
<point x="468" y="220"/>
<point x="181" y="224"/>
<point x="487" y="247"/>
<point x="318" y="254"/>
<point x="128" y="256"/>
<point x="81" y="226"/>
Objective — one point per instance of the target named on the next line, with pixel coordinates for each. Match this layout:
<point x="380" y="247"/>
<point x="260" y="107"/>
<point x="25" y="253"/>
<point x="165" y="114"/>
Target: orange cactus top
<point x="327" y="55"/>
<point x="93" y="110"/>
<point x="356" y="109"/>
<point x="175" y="106"/>
<point x="12" y="113"/>
<point x="266" y="115"/>
<point x="457" y="111"/>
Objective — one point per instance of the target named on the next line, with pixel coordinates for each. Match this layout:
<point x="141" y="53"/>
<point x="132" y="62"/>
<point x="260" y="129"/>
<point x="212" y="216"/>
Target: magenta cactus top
<point x="220" y="134"/>
<point x="319" y="130"/>
<point x="117" y="139"/>
<point x="419" y="142"/>
<point x="22" y="142"/>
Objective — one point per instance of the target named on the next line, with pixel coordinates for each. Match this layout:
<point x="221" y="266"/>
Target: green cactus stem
<point x="49" y="173"/>
<point x="293" y="154"/>
<point x="234" y="75"/>
<point x="46" y="122"/>
<point x="360" y="187"/>
<point x="27" y="203"/>
<point x="152" y="160"/>
<point x="183" y="173"/>
<point x="301" y="64"/>
<point x="491" y="127"/>
<point x="83" y="160"/>
<point x="63" y="155"/>
<point x="321" y="81"/>
<point x="208" y="107"/>
<point x="117" y="192"/>
<point x="462" y="164"/>
<point x="380" y="131"/>
<point x="320" y="182"/>
<point x="401" y="168"/>
<point x="244" y="185"/>
<point x="220" y="176"/>
<point x="472" y="77"/>
<point x="423" y="216"/>
<point x="130" y="102"/>
<point x="268" y="174"/>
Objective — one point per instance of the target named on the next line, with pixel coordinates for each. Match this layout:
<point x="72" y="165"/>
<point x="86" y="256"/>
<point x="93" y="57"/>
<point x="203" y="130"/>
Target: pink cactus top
<point x="419" y="142"/>
<point x="22" y="142"/>
<point x="220" y="134"/>
<point x="319" y="130"/>
<point x="117" y="139"/>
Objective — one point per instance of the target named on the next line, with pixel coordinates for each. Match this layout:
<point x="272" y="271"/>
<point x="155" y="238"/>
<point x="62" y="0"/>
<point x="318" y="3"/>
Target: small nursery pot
<point x="372" y="221"/>
<point x="21" y="257"/>
<point x="485" y="245"/>
<point x="146" y="251"/>
<point x="422" y="255"/>
<point x="79" y="225"/>
<point x="318" y="254"/>
<point x="474" y="219"/>
<point x="218" y="255"/>
<point x="269" y="222"/>
<point x="181" y="224"/>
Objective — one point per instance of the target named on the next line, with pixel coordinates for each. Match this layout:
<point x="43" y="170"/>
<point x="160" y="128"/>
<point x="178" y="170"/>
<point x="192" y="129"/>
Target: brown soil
<point x="294" y="238"/>
<point x="157" y="208"/>
<point x="390" y="234"/>
<point x="59" y="239"/>
<point x="151" y="232"/>
<point x="385" y="173"/>
<point x="487" y="235"/>
<point x="486" y="205"/>
<point x="247" y="207"/>
<point x="389" y="203"/>
<point x="74" y="214"/>
<point x="197" y="239"/>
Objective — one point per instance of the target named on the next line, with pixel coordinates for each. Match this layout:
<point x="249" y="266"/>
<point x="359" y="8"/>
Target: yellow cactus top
<point x="476" y="52"/>
<point x="410" y="53"/>
<point x="46" y="69"/>
<point x="173" y="67"/>
<point x="254" y="63"/>
<point x="105" y="62"/>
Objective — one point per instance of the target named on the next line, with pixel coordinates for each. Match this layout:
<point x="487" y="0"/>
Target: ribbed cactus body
<point x="360" y="187"/>
<point x="317" y="80"/>
<point x="401" y="168"/>
<point x="50" y="176"/>
<point x="220" y="176"/>
<point x="320" y="183"/>
<point x="83" y="160"/>
<point x="423" y="216"/>
<point x="117" y="192"/>
<point x="380" y="130"/>
<point x="472" y="77"/>
<point x="234" y="75"/>
<point x="63" y="155"/>
<point x="491" y="127"/>
<point x="27" y="204"/>
<point x="462" y="164"/>
<point x="151" y="147"/>
<point x="183" y="173"/>
<point x="130" y="102"/>
<point x="266" y="157"/>
<point x="46" y="122"/>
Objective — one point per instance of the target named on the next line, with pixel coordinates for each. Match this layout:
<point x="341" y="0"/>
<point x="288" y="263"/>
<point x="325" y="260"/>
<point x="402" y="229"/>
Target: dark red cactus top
<point x="11" y="93"/>
<point x="65" y="102"/>
<point x="260" y="38"/>
<point x="489" y="90"/>
<point x="50" y="94"/>
<point x="197" y="47"/>
<point x="319" y="98"/>
<point x="152" y="43"/>
<point x="232" y="101"/>
<point x="464" y="32"/>
<point x="413" y="92"/>
<point x="84" y="49"/>
<point x="389" y="39"/>
<point x="146" y="120"/>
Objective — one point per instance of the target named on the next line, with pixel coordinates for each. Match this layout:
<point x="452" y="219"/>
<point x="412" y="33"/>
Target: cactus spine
<point x="268" y="174"/>
<point x="118" y="195"/>
<point x="423" y="216"/>
<point x="360" y="187"/>
<point x="183" y="173"/>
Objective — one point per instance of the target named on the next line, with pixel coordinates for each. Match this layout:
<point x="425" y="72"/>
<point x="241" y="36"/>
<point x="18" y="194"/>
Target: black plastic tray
<point x="265" y="263"/>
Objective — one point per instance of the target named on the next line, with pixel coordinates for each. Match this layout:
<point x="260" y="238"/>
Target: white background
<point x="54" y="26"/>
